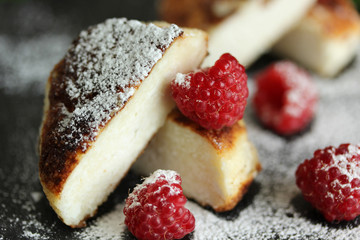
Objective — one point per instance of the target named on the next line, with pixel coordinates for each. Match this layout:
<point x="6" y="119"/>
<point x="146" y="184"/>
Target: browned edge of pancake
<point x="57" y="160"/>
<point x="195" y="13"/>
<point x="226" y="136"/>
<point x="243" y="188"/>
<point x="339" y="18"/>
<point x="187" y="13"/>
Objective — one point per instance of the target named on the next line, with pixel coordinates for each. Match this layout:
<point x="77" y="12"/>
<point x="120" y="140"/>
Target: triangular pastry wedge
<point x="326" y="40"/>
<point x="244" y="28"/>
<point x="216" y="167"/>
<point x="104" y="101"/>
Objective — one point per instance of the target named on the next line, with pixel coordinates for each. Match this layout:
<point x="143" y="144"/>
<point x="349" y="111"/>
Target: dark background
<point x="34" y="35"/>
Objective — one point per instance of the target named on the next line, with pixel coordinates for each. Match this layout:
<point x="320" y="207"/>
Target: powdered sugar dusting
<point x="183" y="80"/>
<point x="301" y="85"/>
<point x="26" y="64"/>
<point x="106" y="64"/>
<point x="36" y="196"/>
<point x="108" y="227"/>
<point x="171" y="177"/>
<point x="32" y="40"/>
<point x="351" y="169"/>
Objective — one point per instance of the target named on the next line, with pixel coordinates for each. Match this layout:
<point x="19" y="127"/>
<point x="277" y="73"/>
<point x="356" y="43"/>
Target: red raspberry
<point x="286" y="98"/>
<point x="155" y="209"/>
<point x="330" y="181"/>
<point x="213" y="97"/>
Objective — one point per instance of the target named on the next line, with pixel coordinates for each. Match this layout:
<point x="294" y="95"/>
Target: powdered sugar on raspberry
<point x="171" y="177"/>
<point x="107" y="63"/>
<point x="168" y="175"/>
<point x="351" y="169"/>
<point x="300" y="85"/>
<point x="183" y="80"/>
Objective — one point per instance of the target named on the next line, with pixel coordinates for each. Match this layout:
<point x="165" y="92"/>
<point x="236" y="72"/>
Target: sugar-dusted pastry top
<point x="98" y="75"/>
<point x="338" y="17"/>
<point x="222" y="140"/>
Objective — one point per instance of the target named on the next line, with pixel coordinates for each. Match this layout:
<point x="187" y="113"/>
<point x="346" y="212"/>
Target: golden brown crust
<point x="57" y="159"/>
<point x="338" y="17"/>
<point x="221" y="140"/>
<point x="83" y="222"/>
<point x="188" y="13"/>
<point x="235" y="199"/>
<point x="226" y="136"/>
<point x="198" y="13"/>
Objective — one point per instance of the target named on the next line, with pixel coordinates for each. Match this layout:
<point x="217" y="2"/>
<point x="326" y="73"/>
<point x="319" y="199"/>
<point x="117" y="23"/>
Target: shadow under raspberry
<point x="315" y="217"/>
<point x="255" y="119"/>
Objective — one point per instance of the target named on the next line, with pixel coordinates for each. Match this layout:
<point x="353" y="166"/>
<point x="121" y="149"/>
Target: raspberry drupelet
<point x="330" y="181"/>
<point x="286" y="98"/>
<point x="213" y="97"/>
<point x="155" y="209"/>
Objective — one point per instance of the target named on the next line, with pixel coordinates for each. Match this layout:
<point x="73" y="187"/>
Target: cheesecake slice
<point x="244" y="28"/>
<point x="216" y="167"/>
<point x="104" y="101"/>
<point x="326" y="40"/>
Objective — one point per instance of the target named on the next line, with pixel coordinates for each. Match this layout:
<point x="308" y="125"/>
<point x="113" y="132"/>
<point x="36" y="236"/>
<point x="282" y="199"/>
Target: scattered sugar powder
<point x="36" y="196"/>
<point x="32" y="235"/>
<point x="301" y="92"/>
<point x="108" y="227"/>
<point x="26" y="63"/>
<point x="32" y="40"/>
<point x="104" y="67"/>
